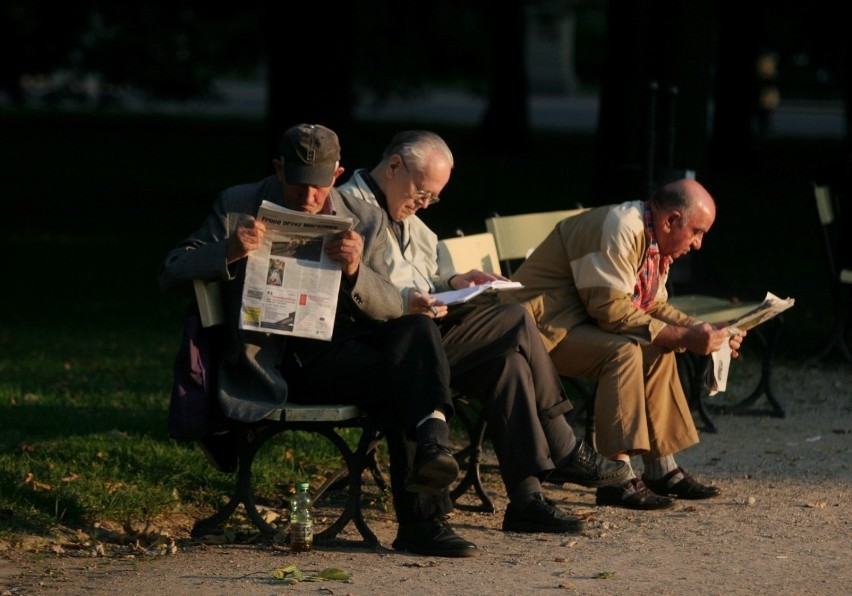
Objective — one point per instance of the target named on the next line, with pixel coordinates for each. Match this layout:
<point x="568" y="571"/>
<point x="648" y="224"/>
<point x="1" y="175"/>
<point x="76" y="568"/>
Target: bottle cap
<point x="303" y="486"/>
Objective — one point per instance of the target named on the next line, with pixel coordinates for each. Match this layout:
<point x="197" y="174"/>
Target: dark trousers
<point x="496" y="355"/>
<point x="396" y="371"/>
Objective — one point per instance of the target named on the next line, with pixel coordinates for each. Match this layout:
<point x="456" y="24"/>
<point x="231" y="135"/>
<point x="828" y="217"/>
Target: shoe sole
<point x="434" y="477"/>
<point x="687" y="496"/>
<point x="620" y="479"/>
<point x="549" y="529"/>
<point x="619" y="502"/>
<point x="457" y="553"/>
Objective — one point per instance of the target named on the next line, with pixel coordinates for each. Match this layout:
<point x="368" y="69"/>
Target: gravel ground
<point x="781" y="526"/>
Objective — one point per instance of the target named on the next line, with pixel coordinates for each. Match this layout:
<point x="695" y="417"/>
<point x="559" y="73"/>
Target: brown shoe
<point x="636" y="497"/>
<point x="686" y="488"/>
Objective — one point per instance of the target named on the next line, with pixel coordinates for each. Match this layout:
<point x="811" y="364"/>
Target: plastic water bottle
<point x="301" y="520"/>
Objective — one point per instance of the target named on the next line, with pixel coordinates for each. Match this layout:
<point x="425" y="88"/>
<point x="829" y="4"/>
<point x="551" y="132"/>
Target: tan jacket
<point x="585" y="271"/>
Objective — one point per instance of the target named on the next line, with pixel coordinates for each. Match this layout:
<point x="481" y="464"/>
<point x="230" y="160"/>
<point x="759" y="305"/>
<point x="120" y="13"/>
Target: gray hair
<point x="674" y="196"/>
<point x="415" y="146"/>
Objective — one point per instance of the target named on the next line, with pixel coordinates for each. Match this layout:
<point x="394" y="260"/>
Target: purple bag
<point x="194" y="410"/>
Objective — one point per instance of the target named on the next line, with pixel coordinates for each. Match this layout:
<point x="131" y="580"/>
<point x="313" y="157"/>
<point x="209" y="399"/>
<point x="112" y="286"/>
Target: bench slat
<point x="312" y="413"/>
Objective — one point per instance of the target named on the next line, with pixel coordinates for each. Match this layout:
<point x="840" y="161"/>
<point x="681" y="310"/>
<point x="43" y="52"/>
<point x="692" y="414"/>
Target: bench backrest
<point x="516" y="236"/>
<point x="463" y="253"/>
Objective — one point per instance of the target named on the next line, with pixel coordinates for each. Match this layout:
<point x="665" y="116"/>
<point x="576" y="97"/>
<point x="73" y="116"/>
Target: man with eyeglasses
<point x="495" y="351"/>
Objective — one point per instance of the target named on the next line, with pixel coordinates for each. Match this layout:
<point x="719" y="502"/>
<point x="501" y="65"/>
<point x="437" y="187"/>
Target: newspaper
<point x="717" y="375"/>
<point x="291" y="285"/>
<point x="451" y="297"/>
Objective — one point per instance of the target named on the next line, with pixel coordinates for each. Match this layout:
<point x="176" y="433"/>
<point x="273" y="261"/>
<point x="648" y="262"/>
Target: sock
<point x="628" y="486"/>
<point x="525" y="492"/>
<point x="433" y="430"/>
<point x="435" y="414"/>
<point x="658" y="468"/>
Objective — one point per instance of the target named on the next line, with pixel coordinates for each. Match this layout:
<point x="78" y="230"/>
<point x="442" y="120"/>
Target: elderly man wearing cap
<point x="388" y="363"/>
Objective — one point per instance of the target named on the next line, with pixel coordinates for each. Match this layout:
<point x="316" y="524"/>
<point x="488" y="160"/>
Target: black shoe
<point x="221" y="451"/>
<point x="433" y="537"/>
<point x="540" y="515"/>
<point x="686" y="488"/>
<point x="434" y="469"/>
<point x="637" y="497"/>
<point x="589" y="468"/>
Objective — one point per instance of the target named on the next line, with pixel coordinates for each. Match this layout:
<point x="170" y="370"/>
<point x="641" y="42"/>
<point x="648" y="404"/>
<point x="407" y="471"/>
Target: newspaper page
<point x="291" y="285"/>
<point x="717" y="374"/>
<point x="451" y="297"/>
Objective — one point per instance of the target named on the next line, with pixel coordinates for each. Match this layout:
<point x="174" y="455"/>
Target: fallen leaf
<point x="817" y="505"/>
<point x="113" y="487"/>
<point x="604" y="575"/>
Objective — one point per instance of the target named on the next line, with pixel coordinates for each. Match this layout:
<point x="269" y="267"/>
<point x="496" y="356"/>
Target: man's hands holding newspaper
<point x="247" y="237"/>
<point x="346" y="247"/>
<point x="705" y="339"/>
<point x="702" y="339"/>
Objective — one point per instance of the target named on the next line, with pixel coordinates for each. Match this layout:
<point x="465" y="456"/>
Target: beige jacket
<point x="585" y="271"/>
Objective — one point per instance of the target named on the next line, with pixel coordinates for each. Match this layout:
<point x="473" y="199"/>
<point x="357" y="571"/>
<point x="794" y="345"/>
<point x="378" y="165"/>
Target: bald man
<point x="597" y="289"/>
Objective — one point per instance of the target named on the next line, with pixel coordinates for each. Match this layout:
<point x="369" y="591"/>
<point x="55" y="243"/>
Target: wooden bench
<point x="326" y="420"/>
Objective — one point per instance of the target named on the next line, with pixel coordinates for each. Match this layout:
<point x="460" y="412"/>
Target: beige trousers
<point x="640" y="406"/>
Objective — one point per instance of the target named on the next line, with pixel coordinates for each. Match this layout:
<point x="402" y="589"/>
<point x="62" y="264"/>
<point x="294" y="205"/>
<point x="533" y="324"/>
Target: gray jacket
<point x="250" y="381"/>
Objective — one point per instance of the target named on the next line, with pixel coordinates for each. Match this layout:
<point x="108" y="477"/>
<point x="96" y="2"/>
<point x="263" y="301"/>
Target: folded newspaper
<point x="291" y="285"/>
<point x="463" y="295"/>
<point x="717" y="375"/>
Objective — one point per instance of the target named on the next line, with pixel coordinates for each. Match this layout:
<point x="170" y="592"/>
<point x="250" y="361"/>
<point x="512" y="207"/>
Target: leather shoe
<point x="638" y="496"/>
<point x="434" y="469"/>
<point x="589" y="468"/>
<point x="433" y="537"/>
<point x="687" y="488"/>
<point x="540" y="515"/>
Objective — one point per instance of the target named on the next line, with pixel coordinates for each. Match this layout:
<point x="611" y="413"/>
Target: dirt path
<point x="782" y="526"/>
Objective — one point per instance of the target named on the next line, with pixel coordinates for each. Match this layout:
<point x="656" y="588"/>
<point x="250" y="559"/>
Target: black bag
<point x="194" y="410"/>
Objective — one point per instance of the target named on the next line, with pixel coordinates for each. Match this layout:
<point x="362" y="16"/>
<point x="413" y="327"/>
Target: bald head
<point x="683" y="211"/>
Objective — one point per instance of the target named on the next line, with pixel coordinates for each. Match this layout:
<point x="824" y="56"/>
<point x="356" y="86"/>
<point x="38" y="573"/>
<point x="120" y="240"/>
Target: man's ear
<point x="394" y="165"/>
<point x="337" y="173"/>
<point x="673" y="219"/>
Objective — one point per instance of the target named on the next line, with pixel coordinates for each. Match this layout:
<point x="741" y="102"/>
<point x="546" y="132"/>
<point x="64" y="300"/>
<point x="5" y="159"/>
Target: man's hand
<point x="701" y="339"/>
<point x="474" y="277"/>
<point x="346" y="248"/>
<point x="247" y="237"/>
<point x="425" y="303"/>
<point x="736" y="342"/>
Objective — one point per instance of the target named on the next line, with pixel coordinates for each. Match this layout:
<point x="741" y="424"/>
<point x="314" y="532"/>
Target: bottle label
<point x="301" y="533"/>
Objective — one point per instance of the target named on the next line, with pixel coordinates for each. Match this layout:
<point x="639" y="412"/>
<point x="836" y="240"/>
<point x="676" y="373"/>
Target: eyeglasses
<point x="419" y="195"/>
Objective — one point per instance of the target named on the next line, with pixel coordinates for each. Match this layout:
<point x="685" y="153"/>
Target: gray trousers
<point x="496" y="356"/>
